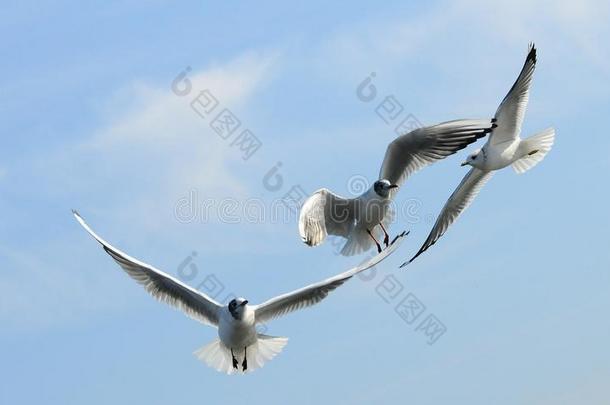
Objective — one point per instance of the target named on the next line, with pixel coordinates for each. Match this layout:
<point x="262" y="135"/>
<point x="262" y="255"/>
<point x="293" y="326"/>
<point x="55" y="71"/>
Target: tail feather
<point x="218" y="356"/>
<point x="266" y="348"/>
<point x="538" y="145"/>
<point x="357" y="243"/>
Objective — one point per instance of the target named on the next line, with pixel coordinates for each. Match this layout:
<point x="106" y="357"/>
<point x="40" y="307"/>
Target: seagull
<point x="504" y="147"/>
<point x="238" y="344"/>
<point x="356" y="219"/>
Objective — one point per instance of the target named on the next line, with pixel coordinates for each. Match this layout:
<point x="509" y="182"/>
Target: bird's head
<point x="473" y="159"/>
<point x="382" y="187"/>
<point x="237" y="307"/>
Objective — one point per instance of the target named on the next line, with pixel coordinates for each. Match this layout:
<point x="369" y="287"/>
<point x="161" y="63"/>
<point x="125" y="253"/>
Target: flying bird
<point x="504" y="147"/>
<point x="358" y="219"/>
<point x="239" y="347"/>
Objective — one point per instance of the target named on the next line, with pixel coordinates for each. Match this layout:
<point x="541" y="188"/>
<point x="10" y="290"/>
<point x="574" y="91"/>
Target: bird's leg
<point x="234" y="359"/>
<point x="386" y="238"/>
<point x="244" y="364"/>
<point x="376" y="243"/>
<point x="533" y="152"/>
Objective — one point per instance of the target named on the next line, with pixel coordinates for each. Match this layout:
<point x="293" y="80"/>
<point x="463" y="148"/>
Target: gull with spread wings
<point x="504" y="147"/>
<point x="239" y="344"/>
<point x="358" y="219"/>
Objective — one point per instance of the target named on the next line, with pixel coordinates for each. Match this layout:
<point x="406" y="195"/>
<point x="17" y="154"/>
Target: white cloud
<point x="151" y="149"/>
<point x="150" y="114"/>
<point x="159" y="122"/>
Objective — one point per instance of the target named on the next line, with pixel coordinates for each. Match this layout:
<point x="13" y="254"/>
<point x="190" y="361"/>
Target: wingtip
<point x="531" y="54"/>
<point x="400" y="235"/>
<point x="413" y="258"/>
<point x="408" y="262"/>
<point x="79" y="219"/>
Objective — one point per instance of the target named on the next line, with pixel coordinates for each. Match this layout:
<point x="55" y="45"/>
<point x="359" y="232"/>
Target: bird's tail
<point x="356" y="243"/>
<point x="218" y="356"/>
<point x="265" y="348"/>
<point x="535" y="149"/>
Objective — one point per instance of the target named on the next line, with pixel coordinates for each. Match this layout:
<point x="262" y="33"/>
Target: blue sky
<point x="89" y="121"/>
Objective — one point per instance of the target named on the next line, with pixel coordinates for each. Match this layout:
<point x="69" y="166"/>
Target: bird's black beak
<point x="391" y="186"/>
<point x="244" y="303"/>
<point x="464" y="163"/>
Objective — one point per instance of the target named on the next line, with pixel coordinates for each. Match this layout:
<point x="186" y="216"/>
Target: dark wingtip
<point x="410" y="260"/>
<point x="400" y="235"/>
<point x="422" y="250"/>
<point x="531" y="55"/>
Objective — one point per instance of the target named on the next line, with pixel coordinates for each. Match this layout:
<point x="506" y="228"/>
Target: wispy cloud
<point x="151" y="147"/>
<point x="150" y="120"/>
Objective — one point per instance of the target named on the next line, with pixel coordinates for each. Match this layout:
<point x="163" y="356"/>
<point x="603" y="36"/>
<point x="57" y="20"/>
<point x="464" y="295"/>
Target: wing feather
<point x="423" y="146"/>
<point x="511" y="111"/>
<point x="325" y="213"/>
<point x="461" y="198"/>
<point x="163" y="287"/>
<point x="314" y="293"/>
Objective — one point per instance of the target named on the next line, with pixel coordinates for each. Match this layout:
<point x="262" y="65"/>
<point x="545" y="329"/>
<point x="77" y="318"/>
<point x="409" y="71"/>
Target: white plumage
<point x="357" y="219"/>
<point x="238" y="345"/>
<point x="503" y="148"/>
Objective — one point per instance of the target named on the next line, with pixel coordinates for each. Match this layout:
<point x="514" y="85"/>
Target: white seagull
<point x="504" y="147"/>
<point x="239" y="344"/>
<point x="356" y="219"/>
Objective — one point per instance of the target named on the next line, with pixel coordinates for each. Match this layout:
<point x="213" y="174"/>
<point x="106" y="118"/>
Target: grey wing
<point x="423" y="146"/>
<point x="511" y="111"/>
<point x="325" y="213"/>
<point x="314" y="293"/>
<point x="160" y="285"/>
<point x="461" y="198"/>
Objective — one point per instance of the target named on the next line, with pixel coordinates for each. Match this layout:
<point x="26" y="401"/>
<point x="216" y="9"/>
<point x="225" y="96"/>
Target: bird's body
<point x="239" y="347"/>
<point x="499" y="156"/>
<point x="237" y="332"/>
<point x="358" y="219"/>
<point x="370" y="210"/>
<point x="503" y="148"/>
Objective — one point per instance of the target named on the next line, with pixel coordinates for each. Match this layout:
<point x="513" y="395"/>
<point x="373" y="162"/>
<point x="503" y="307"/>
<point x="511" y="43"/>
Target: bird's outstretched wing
<point x="325" y="213"/>
<point x="314" y="293"/>
<point x="461" y="198"/>
<point x="160" y="285"/>
<point x="423" y="146"/>
<point x="509" y="115"/>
